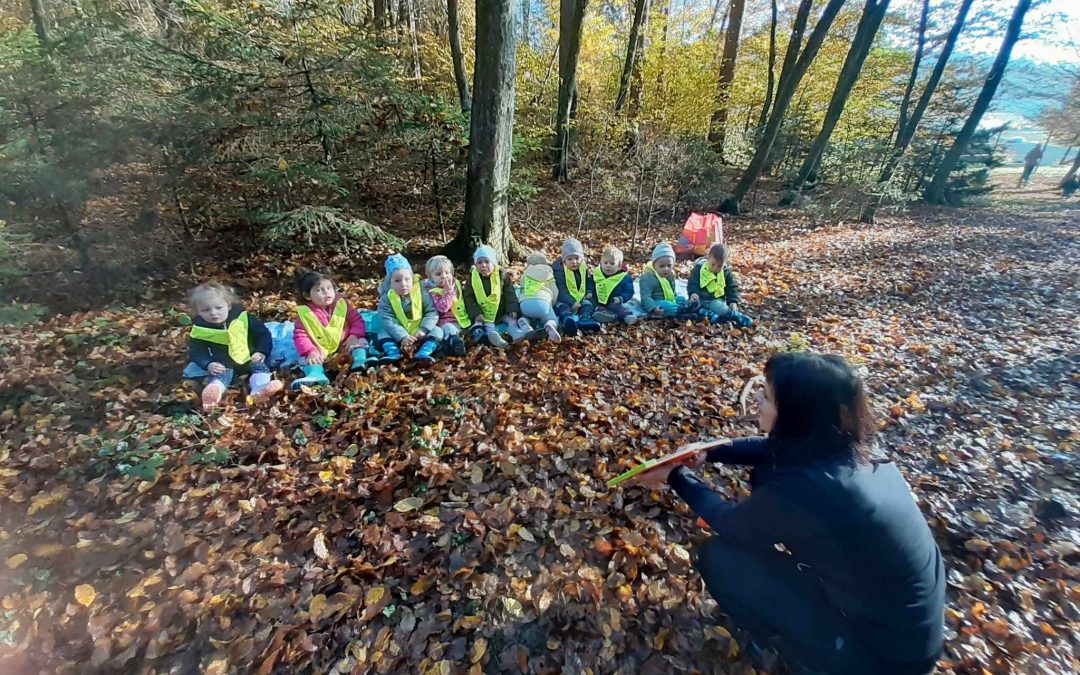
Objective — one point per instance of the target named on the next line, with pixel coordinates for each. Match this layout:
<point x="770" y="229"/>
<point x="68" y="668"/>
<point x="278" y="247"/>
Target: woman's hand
<point x="315" y="358"/>
<point x="654" y="478"/>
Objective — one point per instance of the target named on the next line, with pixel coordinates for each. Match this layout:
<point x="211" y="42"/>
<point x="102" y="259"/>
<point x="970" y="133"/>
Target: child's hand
<point x="215" y="368"/>
<point x="695" y="298"/>
<point x="512" y="316"/>
<point x="315" y="358"/>
<point x="362" y="343"/>
<point x="408" y="342"/>
<point x="258" y="357"/>
<point x="576" y="307"/>
<point x="733" y="306"/>
<point x="352" y="342"/>
<point x="657" y="311"/>
<point x="616" y="301"/>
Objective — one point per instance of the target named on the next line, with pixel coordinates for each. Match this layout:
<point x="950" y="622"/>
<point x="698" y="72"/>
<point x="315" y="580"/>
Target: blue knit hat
<point x="396" y="262"/>
<point x="573" y="247"/>
<point x="485" y="251"/>
<point x="663" y="250"/>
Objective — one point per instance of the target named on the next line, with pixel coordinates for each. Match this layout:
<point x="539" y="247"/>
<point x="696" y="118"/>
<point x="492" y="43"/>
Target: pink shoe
<point x="269" y="390"/>
<point x="211" y="395"/>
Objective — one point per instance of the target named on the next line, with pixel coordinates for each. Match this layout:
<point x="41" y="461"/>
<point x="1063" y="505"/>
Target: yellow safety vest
<point x="665" y="285"/>
<point x="530" y="287"/>
<point x="489" y="304"/>
<point x="573" y="286"/>
<point x="713" y="283"/>
<point x="328" y="337"/>
<point x="416" y="310"/>
<point x="458" y="308"/>
<point x="605" y="285"/>
<point x="235" y="335"/>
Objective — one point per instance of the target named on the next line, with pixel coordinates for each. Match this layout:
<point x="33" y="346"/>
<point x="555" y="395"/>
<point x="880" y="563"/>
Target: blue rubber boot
<point x="587" y="324"/>
<point x="568" y="325"/>
<point x="741" y="320"/>
<point x="360" y="360"/>
<point x="314" y="376"/>
<point x="391" y="353"/>
<point x="426" y="351"/>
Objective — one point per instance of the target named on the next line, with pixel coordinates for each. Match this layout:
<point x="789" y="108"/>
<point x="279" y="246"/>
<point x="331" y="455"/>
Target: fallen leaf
<point x="408" y="504"/>
<point x="321" y="552"/>
<point x="14" y="561"/>
<point x="85" y="594"/>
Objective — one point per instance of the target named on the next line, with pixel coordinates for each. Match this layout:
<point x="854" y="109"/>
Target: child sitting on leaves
<point x="575" y="292"/>
<point x="538" y="293"/>
<point x="325" y="324"/>
<point x="490" y="298"/>
<point x="225" y="340"/>
<point x="409" y="318"/>
<point x="613" y="286"/>
<point x="449" y="299"/>
<point x="713" y="285"/>
<point x="657" y="286"/>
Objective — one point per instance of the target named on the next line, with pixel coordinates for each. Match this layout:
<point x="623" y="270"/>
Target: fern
<point x="317" y="227"/>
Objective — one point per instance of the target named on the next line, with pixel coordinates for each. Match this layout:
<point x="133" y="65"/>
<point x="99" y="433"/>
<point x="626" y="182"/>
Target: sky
<point x="1051" y="32"/>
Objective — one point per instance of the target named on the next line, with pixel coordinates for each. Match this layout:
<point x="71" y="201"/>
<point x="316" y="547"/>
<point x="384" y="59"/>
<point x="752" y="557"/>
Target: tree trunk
<point x="935" y="193"/>
<point x="381" y="14"/>
<point x="491" y="132"/>
<point x="1071" y="172"/>
<point x="873" y="13"/>
<point x="771" y="83"/>
<point x="571" y="23"/>
<point x="715" y="12"/>
<point x="920" y="48"/>
<point x="457" y="55"/>
<point x="1065" y="157"/>
<point x="37" y="12"/>
<point x="718" y="124"/>
<point x="907" y="131"/>
<point x="795" y="66"/>
<point x="634" y="47"/>
<point x="409" y="10"/>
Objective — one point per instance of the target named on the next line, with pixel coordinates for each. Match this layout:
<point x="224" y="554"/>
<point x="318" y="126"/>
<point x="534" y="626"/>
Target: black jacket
<point x="508" y="301"/>
<point x="856" y="525"/>
<point x="203" y="353"/>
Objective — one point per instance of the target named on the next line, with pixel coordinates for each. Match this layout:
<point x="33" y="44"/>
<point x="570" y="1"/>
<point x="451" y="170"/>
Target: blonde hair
<point x="614" y="252"/>
<point x="196" y="295"/>
<point x="438" y="263"/>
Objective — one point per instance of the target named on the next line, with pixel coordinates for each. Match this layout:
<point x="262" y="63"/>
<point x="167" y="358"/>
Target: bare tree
<point x="458" y="57"/>
<point x="635" y="45"/>
<point x="771" y="81"/>
<point x="718" y="123"/>
<point x="935" y="192"/>
<point x="571" y="23"/>
<point x="37" y="12"/>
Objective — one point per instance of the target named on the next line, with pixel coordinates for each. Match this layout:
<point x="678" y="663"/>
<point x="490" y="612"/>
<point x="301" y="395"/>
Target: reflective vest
<point x="410" y="323"/>
<point x="328" y="337"/>
<point x="458" y="308"/>
<point x="605" y="285"/>
<point x="489" y="304"/>
<point x="713" y="283"/>
<point x="235" y="335"/>
<point x="669" y="292"/>
<point x="530" y="286"/>
<point x="575" y="287"/>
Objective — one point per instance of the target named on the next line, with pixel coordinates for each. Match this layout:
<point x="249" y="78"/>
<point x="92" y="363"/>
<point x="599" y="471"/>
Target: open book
<point x="684" y="455"/>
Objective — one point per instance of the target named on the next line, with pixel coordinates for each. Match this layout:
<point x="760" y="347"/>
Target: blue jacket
<point x="202" y="353"/>
<point x="560" y="280"/>
<point x="623" y="291"/>
<point x="693" y="285"/>
<point x="856" y="525"/>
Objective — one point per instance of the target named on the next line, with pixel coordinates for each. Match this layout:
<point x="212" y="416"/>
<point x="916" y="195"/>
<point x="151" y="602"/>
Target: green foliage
<point x="314" y="228"/>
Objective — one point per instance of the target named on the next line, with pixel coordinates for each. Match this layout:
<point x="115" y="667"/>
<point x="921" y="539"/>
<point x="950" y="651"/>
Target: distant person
<point x="1069" y="186"/>
<point x="859" y="585"/>
<point x="1031" y="161"/>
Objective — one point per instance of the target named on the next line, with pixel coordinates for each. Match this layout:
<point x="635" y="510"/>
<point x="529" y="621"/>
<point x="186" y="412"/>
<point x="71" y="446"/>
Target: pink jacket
<point x="444" y="302"/>
<point x="354" y="326"/>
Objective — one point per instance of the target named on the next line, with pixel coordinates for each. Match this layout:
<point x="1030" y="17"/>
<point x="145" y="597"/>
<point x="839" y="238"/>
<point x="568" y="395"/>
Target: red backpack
<point x="701" y="231"/>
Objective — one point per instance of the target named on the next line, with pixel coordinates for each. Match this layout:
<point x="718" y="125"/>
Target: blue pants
<point x="436" y="334"/>
<point x="782" y="604"/>
<point x="226" y="378"/>
<point x="538" y="308"/>
<point x="585" y="311"/>
<point x="718" y="307"/>
<point x="671" y="309"/>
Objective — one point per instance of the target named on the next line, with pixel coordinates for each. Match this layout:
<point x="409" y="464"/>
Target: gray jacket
<point x="390" y="325"/>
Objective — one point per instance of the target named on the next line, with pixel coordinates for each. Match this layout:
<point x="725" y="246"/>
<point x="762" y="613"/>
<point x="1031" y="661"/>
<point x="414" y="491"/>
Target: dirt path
<point x="456" y="519"/>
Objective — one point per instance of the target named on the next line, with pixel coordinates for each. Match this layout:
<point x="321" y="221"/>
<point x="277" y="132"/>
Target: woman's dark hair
<point x="821" y="405"/>
<point x="307" y="279"/>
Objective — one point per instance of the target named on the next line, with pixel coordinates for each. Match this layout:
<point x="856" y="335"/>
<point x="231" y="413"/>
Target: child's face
<point x="443" y="277"/>
<point x="715" y="265"/>
<point x="664" y="266"/>
<point x="485" y="267"/>
<point x="214" y="309"/>
<point x="572" y="261"/>
<point x="322" y="293"/>
<point x="609" y="265"/>
<point x="401" y="282"/>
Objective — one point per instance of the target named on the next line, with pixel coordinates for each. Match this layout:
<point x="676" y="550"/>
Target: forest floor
<point x="455" y="518"/>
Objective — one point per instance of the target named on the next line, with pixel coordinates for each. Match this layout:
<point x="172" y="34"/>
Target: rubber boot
<point x="454" y="345"/>
<point x="426" y="351"/>
<point x="568" y="325"/>
<point x="741" y="320"/>
<point x="360" y="360"/>
<point x="587" y="324"/>
<point x="211" y="395"/>
<point x="391" y="353"/>
<point x="494" y="339"/>
<point x="314" y="376"/>
<point x="264" y="386"/>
